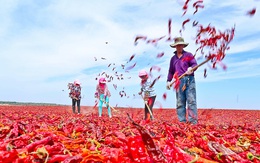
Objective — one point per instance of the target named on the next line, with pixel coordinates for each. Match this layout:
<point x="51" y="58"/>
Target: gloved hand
<point x="189" y="71"/>
<point x="168" y="85"/>
<point x="140" y="92"/>
<point x="96" y="95"/>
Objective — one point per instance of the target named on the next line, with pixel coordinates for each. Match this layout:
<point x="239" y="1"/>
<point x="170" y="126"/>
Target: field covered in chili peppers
<point x="53" y="134"/>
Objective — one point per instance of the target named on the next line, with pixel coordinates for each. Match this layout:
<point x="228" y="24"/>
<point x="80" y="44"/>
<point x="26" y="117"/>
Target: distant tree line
<point x="25" y="103"/>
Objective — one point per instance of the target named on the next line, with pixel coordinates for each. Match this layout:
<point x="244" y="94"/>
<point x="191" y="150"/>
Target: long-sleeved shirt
<point x="75" y="91"/>
<point x="180" y="65"/>
<point x="102" y="90"/>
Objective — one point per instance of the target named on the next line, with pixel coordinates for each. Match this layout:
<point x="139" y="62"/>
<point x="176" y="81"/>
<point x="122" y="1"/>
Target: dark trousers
<point x="150" y="103"/>
<point x="74" y="101"/>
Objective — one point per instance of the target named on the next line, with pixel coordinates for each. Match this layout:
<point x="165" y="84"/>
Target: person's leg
<point x="181" y="101"/>
<point x="150" y="104"/>
<point x="191" y="101"/>
<point x="100" y="105"/>
<point x="145" y="112"/>
<point x="73" y="105"/>
<point x="78" y="105"/>
<point x="108" y="107"/>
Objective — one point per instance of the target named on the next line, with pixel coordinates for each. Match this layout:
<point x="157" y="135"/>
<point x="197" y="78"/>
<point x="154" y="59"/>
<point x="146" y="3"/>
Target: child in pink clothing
<point x="103" y="94"/>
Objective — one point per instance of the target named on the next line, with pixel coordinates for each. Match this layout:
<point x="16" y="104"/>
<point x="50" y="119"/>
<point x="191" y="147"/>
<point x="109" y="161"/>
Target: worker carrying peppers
<point x="75" y="95"/>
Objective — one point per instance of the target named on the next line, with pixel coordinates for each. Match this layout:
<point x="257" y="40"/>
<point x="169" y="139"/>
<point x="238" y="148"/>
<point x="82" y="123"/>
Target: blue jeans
<point x="187" y="94"/>
<point x="102" y="99"/>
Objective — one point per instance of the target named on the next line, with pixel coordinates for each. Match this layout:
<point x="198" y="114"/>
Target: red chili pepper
<point x="137" y="150"/>
<point x="184" y="22"/>
<point x="169" y="30"/>
<point x="139" y="37"/>
<point x="73" y="159"/>
<point x="8" y="156"/>
<point x="130" y="67"/>
<point x="55" y="149"/>
<point x="154" y="152"/>
<point x="177" y="81"/>
<point x="172" y="152"/>
<point x="58" y="158"/>
<point x="131" y="58"/>
<point x="251" y="12"/>
<point x="164" y="96"/>
<point x="44" y="141"/>
<point x="159" y="55"/>
<point x="154" y="41"/>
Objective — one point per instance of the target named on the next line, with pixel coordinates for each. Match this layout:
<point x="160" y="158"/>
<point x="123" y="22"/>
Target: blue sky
<point x="46" y="44"/>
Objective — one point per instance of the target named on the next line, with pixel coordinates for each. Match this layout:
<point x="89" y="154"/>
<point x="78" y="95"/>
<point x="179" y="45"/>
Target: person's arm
<point x="108" y="93"/>
<point x="171" y="70"/>
<point x="97" y="91"/>
<point x="141" y="91"/>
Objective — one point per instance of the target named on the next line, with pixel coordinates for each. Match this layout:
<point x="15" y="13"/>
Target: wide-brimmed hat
<point x="179" y="41"/>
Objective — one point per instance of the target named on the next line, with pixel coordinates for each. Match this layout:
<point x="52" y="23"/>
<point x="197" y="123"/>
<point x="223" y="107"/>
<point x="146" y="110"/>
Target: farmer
<point x="103" y="94"/>
<point x="75" y="94"/>
<point x="148" y="94"/>
<point x="181" y="63"/>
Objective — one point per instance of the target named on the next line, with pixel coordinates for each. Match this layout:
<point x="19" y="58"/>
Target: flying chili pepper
<point x="115" y="86"/>
<point x="164" y="96"/>
<point x="251" y="12"/>
<point x="195" y="23"/>
<point x="130" y="67"/>
<point x="188" y="58"/>
<point x="154" y="81"/>
<point x="197" y="8"/>
<point x="169" y="30"/>
<point x="177" y="81"/>
<point x="157" y="68"/>
<point x="185" y="7"/>
<point x="131" y="58"/>
<point x="159" y="55"/>
<point x="205" y="73"/>
<point x="184" y="22"/>
<point x="138" y="38"/>
<point x="197" y="5"/>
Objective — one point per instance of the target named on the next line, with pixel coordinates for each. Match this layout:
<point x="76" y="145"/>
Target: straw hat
<point x="179" y="41"/>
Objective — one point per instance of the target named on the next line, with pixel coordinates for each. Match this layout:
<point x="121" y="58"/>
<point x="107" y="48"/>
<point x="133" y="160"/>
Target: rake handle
<point x="109" y="105"/>
<point x="147" y="106"/>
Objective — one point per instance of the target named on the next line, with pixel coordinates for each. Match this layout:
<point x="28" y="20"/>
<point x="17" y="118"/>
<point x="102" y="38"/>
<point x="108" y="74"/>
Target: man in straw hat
<point x="181" y="65"/>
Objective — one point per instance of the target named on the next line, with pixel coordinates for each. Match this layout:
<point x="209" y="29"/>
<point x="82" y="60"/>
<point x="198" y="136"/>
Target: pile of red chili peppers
<point x="53" y="134"/>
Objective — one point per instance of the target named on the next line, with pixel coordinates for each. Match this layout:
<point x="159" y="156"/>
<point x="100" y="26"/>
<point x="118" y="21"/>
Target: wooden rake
<point x="109" y="105"/>
<point x="147" y="106"/>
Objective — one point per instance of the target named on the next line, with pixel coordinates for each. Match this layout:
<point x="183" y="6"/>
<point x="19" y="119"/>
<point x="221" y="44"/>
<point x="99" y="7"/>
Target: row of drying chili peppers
<point x="59" y="136"/>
